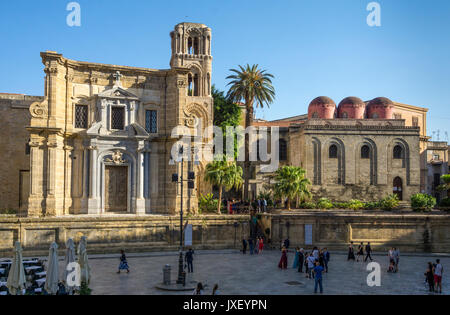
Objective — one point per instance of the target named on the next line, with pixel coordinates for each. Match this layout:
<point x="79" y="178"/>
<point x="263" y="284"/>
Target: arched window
<point x="190" y="85"/>
<point x="333" y="151"/>
<point x="375" y="116"/>
<point x="196" y="46"/>
<point x="344" y="115"/>
<point x="398" y="152"/>
<point x="283" y="150"/>
<point x="365" y="152"/>
<point x="315" y="115"/>
<point x="190" y="46"/>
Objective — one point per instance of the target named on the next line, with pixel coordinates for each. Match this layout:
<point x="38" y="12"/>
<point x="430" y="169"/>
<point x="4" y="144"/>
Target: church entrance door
<point x="398" y="187"/>
<point x="116" y="188"/>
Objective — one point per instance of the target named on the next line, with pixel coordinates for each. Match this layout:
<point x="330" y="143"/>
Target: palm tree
<point x="250" y="85"/>
<point x="223" y="174"/>
<point x="290" y="182"/>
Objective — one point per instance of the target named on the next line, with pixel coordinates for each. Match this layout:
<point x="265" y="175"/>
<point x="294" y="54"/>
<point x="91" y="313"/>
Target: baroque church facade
<point x="99" y="140"/>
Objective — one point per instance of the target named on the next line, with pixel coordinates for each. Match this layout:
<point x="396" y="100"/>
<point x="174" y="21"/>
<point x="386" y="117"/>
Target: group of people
<point x="315" y="263"/>
<point x="433" y="276"/>
<point x="360" y="254"/>
<point x="256" y="246"/>
<point x="394" y="259"/>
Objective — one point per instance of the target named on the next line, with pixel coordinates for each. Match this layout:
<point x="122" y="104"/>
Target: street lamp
<point x="176" y="178"/>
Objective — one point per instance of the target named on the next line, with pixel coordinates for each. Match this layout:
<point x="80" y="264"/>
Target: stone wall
<point x="110" y="234"/>
<point x="408" y="232"/>
<point x="15" y="166"/>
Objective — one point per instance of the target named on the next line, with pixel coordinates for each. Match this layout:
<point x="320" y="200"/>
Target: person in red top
<point x="260" y="245"/>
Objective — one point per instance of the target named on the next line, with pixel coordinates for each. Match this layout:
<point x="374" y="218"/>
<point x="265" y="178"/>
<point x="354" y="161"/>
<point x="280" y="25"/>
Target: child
<point x="391" y="266"/>
<point x="123" y="263"/>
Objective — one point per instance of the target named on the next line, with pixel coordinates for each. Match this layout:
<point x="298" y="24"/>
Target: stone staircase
<point x="404" y="206"/>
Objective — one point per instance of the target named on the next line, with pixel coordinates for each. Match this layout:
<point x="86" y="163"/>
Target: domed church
<point x="355" y="150"/>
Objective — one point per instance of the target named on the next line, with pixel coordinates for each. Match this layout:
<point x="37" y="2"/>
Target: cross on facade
<point x="117" y="76"/>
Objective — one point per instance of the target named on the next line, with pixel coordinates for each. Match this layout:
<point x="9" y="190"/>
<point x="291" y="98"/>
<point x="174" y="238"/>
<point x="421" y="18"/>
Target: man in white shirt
<point x="311" y="265"/>
<point x="438" y="270"/>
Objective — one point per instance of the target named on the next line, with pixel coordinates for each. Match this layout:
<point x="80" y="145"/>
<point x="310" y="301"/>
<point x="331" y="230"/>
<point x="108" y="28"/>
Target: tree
<point x="446" y="185"/>
<point x="252" y="86"/>
<point x="225" y="175"/>
<point x="226" y="113"/>
<point x="290" y="183"/>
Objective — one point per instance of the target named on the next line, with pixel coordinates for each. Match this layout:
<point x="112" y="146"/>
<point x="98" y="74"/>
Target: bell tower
<point x="191" y="48"/>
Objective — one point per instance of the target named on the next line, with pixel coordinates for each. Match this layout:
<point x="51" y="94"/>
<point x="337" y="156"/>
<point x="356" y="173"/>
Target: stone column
<point x="55" y="175"/>
<point x="141" y="168"/>
<point x="36" y="197"/>
<point x="93" y="203"/>
<point x="68" y="179"/>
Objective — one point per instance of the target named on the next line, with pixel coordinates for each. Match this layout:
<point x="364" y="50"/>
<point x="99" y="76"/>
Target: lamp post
<point x="179" y="179"/>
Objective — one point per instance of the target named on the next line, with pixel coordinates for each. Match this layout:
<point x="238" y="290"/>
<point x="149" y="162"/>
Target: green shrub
<point x="324" y="203"/>
<point x="445" y="202"/>
<point x="422" y="202"/>
<point x="373" y="205"/>
<point x="207" y="203"/>
<point x="340" y="205"/>
<point x="390" y="202"/>
<point x="355" y="204"/>
<point x="308" y="205"/>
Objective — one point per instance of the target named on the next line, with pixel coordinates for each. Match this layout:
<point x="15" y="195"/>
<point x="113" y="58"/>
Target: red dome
<point x="381" y="108"/>
<point x="322" y="107"/>
<point x="351" y="107"/>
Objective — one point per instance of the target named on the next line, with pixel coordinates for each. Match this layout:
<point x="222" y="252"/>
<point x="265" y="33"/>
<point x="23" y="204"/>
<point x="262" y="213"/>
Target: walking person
<point x="283" y="260"/>
<point x="244" y="246"/>
<point x="311" y="265"/>
<point x="265" y="205"/>
<point x="391" y="258"/>
<point x="316" y="253"/>
<point x="326" y="256"/>
<point x="301" y="260"/>
<point x="396" y="258"/>
<point x="438" y="271"/>
<point x="368" y="252"/>
<point x="360" y="252"/>
<point x="260" y="245"/>
<point x="318" y="269"/>
<point x="199" y="289"/>
<point x="189" y="258"/>
<point x="296" y="258"/>
<point x="123" y="262"/>
<point x="351" y="252"/>
<point x="251" y="246"/>
<point x="215" y="290"/>
<point x="429" y="277"/>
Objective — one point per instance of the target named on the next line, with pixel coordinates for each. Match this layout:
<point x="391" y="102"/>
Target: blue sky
<point x="313" y="47"/>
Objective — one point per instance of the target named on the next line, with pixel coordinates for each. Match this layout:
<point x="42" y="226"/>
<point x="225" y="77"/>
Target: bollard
<point x="166" y="274"/>
<point x="183" y="274"/>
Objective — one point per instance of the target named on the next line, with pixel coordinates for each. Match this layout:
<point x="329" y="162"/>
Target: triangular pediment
<point x="117" y="92"/>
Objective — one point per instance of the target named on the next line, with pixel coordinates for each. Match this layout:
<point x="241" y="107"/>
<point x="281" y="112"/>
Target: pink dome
<point x="322" y="107"/>
<point x="351" y="107"/>
<point x="381" y="108"/>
